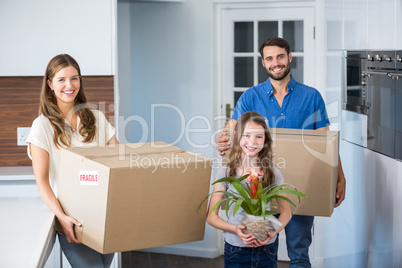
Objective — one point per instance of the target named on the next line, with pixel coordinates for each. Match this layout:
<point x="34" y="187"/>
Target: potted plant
<point x="256" y="202"/>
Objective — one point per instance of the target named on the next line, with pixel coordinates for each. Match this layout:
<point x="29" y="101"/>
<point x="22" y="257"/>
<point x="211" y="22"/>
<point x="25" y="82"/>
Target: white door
<point x="241" y="34"/>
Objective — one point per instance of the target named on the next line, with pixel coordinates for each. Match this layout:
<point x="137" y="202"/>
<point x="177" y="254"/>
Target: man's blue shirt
<point x="302" y="108"/>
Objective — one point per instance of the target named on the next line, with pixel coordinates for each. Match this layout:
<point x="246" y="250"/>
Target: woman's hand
<point x="40" y="164"/>
<point x="68" y="223"/>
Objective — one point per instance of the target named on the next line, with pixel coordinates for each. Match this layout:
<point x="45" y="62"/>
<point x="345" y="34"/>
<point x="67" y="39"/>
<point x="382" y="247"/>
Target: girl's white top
<point x="41" y="135"/>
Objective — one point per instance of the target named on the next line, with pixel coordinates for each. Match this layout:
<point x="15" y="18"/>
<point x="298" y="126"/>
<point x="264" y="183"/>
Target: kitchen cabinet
<point x="33" y="239"/>
<point x="372" y="24"/>
<point x="364" y="232"/>
<point x="355" y="24"/>
<point x="33" y="32"/>
<point x="381" y="28"/>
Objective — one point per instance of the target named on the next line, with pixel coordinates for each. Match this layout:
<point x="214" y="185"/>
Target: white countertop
<point x="26" y="232"/>
<point x="16" y="173"/>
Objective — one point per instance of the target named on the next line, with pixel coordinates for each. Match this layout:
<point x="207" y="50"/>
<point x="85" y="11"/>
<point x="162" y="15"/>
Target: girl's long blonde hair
<point x="48" y="105"/>
<point x="264" y="156"/>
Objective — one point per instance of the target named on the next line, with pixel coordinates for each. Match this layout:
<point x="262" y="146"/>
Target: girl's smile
<point x="252" y="140"/>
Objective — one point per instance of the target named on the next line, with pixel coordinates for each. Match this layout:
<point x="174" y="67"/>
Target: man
<point x="285" y="103"/>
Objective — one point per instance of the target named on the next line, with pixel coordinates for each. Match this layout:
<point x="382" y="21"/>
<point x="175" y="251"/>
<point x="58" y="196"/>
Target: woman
<point x="65" y="120"/>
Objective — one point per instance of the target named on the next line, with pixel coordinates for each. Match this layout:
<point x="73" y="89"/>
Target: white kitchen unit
<point x="27" y="234"/>
<point x="381" y="26"/>
<point x="26" y="230"/>
<point x="365" y="231"/>
<point x="33" y="32"/>
<point x="354" y="24"/>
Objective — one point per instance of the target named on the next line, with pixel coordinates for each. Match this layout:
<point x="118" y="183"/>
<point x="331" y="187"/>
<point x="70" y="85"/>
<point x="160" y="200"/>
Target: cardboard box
<point x="134" y="196"/>
<point x="308" y="159"/>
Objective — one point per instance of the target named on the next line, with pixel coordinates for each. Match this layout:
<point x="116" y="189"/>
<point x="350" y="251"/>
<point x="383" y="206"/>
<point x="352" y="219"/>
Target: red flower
<point x="254" y="182"/>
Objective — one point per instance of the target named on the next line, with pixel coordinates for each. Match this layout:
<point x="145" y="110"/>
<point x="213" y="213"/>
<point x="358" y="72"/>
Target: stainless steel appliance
<point x="398" y="105"/>
<point x="354" y="98"/>
<point x="355" y="95"/>
<point x="373" y="90"/>
<point x="381" y="101"/>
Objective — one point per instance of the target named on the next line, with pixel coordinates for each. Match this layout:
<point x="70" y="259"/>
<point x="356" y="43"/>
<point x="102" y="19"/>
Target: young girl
<point x="64" y="120"/>
<point x="251" y="152"/>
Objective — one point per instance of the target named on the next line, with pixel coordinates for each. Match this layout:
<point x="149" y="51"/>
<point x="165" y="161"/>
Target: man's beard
<point x="279" y="76"/>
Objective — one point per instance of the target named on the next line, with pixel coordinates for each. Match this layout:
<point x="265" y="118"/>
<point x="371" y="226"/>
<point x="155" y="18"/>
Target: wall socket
<point x="22" y="135"/>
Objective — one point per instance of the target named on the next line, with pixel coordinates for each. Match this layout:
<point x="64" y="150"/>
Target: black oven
<point x="398" y="105"/>
<point x="381" y="90"/>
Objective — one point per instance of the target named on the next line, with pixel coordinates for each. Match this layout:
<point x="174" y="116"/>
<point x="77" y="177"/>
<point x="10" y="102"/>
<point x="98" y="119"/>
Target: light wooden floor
<point x="155" y="260"/>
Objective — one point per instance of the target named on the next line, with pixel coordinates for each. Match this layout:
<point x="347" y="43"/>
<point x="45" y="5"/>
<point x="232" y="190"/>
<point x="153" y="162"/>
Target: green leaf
<point x="285" y="198"/>
<point x="248" y="188"/>
<point x="217" y="205"/>
<point x="258" y="193"/>
<point x="270" y="212"/>
<point x="227" y="206"/>
<point x="243" y="177"/>
<point x="230" y="193"/>
<point x="293" y="192"/>
<point x="254" y="201"/>
<point x="246" y="208"/>
<point x="199" y="207"/>
<point x="230" y="179"/>
<point x="238" y="205"/>
<point x="226" y="179"/>
<point x="239" y="187"/>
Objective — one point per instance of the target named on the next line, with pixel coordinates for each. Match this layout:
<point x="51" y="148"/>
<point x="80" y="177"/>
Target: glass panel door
<point x="243" y="33"/>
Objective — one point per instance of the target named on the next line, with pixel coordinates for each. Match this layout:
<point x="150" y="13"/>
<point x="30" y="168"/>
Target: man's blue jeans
<point x="239" y="257"/>
<point x="298" y="240"/>
<point x="81" y="256"/>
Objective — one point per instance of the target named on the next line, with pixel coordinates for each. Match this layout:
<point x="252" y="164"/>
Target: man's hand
<point x="223" y="140"/>
<point x="341" y="185"/>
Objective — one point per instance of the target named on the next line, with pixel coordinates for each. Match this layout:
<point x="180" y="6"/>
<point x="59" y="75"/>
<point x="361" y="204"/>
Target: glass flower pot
<point x="259" y="226"/>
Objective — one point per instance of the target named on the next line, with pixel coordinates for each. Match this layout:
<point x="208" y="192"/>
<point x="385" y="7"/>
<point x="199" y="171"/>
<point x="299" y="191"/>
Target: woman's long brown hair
<point x="264" y="156"/>
<point x="48" y="105"/>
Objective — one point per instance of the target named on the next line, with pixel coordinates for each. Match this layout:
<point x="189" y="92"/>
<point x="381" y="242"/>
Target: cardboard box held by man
<point x="308" y="160"/>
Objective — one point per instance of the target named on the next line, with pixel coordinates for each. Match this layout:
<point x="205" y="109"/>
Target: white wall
<point x="32" y="32"/>
<point x="123" y="77"/>
<point x="171" y="86"/>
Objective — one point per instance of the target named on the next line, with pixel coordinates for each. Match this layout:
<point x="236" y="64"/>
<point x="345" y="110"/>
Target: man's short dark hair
<point x="275" y="41"/>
